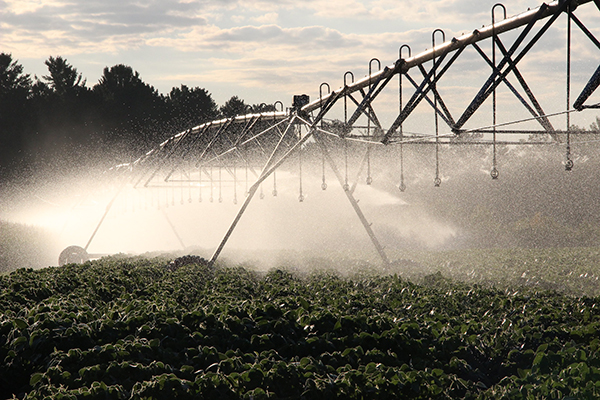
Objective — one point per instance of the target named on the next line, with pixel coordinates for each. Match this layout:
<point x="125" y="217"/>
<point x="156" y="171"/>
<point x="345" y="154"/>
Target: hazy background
<point x="534" y="204"/>
<point x="87" y="85"/>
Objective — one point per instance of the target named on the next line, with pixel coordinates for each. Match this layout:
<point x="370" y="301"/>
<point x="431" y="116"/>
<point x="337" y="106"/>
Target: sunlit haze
<point x="267" y="51"/>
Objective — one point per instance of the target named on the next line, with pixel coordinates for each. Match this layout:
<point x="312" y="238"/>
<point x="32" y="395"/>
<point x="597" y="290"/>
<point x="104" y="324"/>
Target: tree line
<point x="59" y="117"/>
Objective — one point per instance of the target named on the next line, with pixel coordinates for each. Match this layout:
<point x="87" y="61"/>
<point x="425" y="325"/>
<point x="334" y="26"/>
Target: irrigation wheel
<point x="73" y="255"/>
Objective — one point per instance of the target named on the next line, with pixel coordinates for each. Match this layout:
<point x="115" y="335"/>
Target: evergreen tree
<point x="15" y="89"/>
<point x="234" y="106"/>
<point x="262" y="107"/>
<point x="595" y="126"/>
<point x="191" y="107"/>
<point x="133" y="112"/>
<point x="64" y="112"/>
<point x="63" y="79"/>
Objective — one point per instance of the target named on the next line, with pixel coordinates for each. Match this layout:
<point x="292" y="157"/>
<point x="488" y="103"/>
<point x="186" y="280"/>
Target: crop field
<point x="493" y="324"/>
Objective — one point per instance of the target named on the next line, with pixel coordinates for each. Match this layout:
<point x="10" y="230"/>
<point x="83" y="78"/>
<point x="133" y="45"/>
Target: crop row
<point x="134" y="329"/>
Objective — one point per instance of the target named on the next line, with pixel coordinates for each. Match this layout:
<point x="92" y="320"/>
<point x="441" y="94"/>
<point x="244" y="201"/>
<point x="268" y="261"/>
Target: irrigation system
<point x="243" y="151"/>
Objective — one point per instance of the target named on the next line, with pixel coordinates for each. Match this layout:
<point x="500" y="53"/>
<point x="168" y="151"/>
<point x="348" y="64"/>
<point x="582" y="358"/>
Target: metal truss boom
<point x="541" y="12"/>
<point x="264" y="141"/>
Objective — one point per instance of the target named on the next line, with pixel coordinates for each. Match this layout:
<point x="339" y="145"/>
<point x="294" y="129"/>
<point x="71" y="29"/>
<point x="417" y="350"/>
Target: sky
<point x="259" y="50"/>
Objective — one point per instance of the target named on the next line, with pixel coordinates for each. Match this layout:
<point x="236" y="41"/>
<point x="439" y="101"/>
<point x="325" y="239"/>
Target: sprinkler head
<point x="494" y="173"/>
<point x="274" y="192"/>
<point x="437" y="182"/>
<point x="369" y="180"/>
<point x="346" y="187"/>
<point x="402" y="187"/>
<point x="324" y="186"/>
<point x="300" y="198"/>
<point x="569" y="165"/>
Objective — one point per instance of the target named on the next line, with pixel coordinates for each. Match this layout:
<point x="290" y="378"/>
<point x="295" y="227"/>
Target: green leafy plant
<point x="134" y="329"/>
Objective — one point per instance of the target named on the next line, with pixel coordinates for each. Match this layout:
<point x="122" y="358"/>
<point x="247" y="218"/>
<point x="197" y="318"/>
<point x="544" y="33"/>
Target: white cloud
<point x="28" y="6"/>
<point x="268" y="18"/>
<point x="338" y="8"/>
<point x="285" y="46"/>
<point x="266" y="39"/>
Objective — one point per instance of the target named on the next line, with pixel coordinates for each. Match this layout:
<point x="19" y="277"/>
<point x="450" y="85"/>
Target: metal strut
<point x="402" y="185"/>
<point x="568" y="162"/>
<point x="494" y="172"/>
<point x="251" y="193"/>
<point x="352" y="200"/>
<point x="437" y="181"/>
<point x="271" y="165"/>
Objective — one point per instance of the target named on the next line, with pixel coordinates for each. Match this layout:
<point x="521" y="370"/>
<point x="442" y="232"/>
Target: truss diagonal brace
<point x="446" y="116"/>
<point x="252" y="191"/>
<point x="481" y="96"/>
<point x="585" y="30"/>
<point x="364" y="111"/>
<point x="169" y="155"/>
<point x="233" y="146"/>
<point x="422" y="91"/>
<point x="370" y="112"/>
<point x="271" y="166"/>
<point x="213" y="139"/>
<point x="373" y="92"/>
<point x="492" y="82"/>
<point x="414" y="83"/>
<point x="185" y="151"/>
<point x="544" y="121"/>
<point x="247" y="128"/>
<point x="367" y="111"/>
<point x="508" y="84"/>
<point x="587" y="91"/>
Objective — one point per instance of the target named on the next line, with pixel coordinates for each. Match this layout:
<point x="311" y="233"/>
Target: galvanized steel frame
<point x="226" y="142"/>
